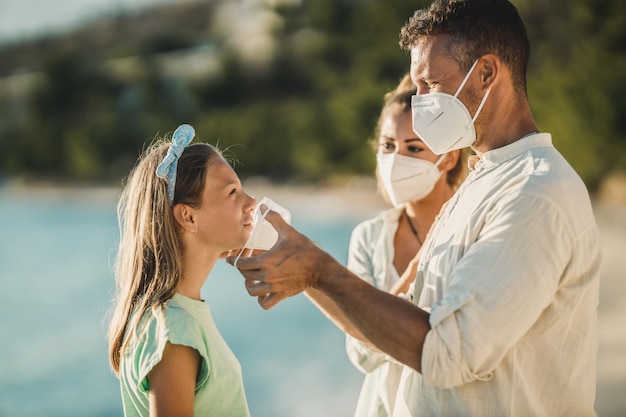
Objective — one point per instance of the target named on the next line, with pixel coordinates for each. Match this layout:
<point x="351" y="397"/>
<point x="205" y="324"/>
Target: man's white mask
<point x="442" y="121"/>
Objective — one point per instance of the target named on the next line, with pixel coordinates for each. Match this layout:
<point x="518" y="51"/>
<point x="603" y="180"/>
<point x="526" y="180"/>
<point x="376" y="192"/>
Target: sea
<point x="56" y="284"/>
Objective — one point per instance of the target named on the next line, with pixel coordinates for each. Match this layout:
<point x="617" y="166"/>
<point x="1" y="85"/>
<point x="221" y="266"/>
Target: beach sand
<point x="611" y="393"/>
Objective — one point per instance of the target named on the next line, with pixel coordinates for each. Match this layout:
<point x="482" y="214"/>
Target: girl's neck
<point x="197" y="265"/>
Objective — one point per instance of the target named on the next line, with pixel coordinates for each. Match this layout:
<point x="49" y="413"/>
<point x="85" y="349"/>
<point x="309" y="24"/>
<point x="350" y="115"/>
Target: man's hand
<point x="294" y="264"/>
<point x="392" y="325"/>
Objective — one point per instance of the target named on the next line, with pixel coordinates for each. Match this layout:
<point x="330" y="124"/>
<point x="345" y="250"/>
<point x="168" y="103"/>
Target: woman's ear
<point x="450" y="161"/>
<point x="183" y="214"/>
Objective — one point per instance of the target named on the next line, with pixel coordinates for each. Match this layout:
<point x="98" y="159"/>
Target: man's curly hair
<point x="475" y="28"/>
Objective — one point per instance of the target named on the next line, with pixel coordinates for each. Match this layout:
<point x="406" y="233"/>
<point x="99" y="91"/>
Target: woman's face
<point x="225" y="216"/>
<point x="397" y="136"/>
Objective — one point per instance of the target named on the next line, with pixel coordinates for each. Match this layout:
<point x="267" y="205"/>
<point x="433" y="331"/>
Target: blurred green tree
<point x="306" y="110"/>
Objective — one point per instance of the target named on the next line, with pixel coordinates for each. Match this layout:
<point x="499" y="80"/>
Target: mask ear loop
<point x="438" y="161"/>
<point x="441" y="158"/>
<point x="244" y="246"/>
<point x="482" y="102"/>
<point x="465" y="79"/>
<point x="480" y="106"/>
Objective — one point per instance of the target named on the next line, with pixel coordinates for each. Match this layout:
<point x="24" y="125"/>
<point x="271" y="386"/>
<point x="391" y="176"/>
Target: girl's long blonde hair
<point x="148" y="262"/>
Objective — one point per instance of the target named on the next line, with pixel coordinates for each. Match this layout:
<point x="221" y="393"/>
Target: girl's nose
<point x="252" y="202"/>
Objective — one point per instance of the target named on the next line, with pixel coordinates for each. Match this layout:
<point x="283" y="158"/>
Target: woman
<point x="384" y="250"/>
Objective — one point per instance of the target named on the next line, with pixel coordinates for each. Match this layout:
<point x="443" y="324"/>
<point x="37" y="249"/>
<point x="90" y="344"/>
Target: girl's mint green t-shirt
<point x="183" y="321"/>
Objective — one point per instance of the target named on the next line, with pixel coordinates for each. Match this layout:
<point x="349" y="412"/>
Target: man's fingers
<point x="270" y="300"/>
<point x="277" y="221"/>
<point x="276" y="274"/>
<point x="257" y="288"/>
<point x="246" y="263"/>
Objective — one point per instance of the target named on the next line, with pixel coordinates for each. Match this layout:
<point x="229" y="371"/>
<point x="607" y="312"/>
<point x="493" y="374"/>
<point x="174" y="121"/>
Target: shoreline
<point x="611" y="195"/>
<point x="357" y="196"/>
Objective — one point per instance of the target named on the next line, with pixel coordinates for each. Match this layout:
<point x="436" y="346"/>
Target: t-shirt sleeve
<point x="163" y="325"/>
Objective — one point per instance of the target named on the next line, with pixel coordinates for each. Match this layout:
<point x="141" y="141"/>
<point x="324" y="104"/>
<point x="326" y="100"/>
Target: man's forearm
<point x="393" y="325"/>
<point x="327" y="306"/>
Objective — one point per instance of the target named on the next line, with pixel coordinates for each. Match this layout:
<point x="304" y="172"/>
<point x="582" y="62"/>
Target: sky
<point x="21" y="19"/>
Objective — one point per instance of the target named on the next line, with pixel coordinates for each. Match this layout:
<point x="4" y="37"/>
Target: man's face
<point x="433" y="70"/>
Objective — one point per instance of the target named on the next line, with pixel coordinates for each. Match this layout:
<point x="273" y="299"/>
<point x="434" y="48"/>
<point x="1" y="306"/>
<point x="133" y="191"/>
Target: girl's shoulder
<point x="170" y="321"/>
<point x="161" y="324"/>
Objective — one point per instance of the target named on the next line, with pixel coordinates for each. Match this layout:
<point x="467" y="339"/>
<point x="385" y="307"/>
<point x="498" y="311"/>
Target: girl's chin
<point x="235" y="252"/>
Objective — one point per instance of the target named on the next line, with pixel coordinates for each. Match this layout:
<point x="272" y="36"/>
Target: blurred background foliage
<point x="291" y="89"/>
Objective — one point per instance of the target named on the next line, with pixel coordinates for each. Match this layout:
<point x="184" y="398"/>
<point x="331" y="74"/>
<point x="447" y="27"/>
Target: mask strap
<point x="244" y="247"/>
<point x="480" y="106"/>
<point x="482" y="102"/>
<point x="441" y="158"/>
<point x="465" y="79"/>
<point x="239" y="256"/>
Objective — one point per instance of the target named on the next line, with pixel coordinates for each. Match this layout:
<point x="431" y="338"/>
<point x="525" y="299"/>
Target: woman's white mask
<point x="406" y="178"/>
<point x="442" y="121"/>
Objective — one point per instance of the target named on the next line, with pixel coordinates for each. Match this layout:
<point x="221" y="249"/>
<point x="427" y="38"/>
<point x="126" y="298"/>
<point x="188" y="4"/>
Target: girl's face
<point x="397" y="136"/>
<point x="225" y="217"/>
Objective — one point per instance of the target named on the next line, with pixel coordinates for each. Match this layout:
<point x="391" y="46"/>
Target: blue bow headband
<point x="167" y="168"/>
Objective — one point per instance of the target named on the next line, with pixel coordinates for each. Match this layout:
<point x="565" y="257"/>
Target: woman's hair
<point x="475" y="28"/>
<point x="397" y="102"/>
<point x="148" y="263"/>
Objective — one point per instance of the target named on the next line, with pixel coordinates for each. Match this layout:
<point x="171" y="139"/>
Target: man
<point x="503" y="317"/>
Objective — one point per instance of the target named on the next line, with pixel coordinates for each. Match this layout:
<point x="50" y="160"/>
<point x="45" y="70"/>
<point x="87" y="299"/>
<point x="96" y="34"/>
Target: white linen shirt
<point x="370" y="256"/>
<point x="511" y="274"/>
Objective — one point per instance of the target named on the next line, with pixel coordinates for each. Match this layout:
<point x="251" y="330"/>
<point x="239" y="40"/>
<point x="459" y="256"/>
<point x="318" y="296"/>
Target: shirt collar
<point x="510" y="151"/>
<point x="393" y="215"/>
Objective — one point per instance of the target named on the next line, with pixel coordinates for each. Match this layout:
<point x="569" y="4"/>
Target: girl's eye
<point x="414" y="149"/>
<point x="233" y="191"/>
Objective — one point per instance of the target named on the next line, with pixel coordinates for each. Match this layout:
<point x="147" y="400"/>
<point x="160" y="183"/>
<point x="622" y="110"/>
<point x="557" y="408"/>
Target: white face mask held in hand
<point x="263" y="235"/>
<point x="442" y="121"/>
<point x="406" y="178"/>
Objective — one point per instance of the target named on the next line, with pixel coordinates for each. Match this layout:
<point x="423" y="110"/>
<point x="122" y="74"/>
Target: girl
<point x="182" y="209"/>
<point x="383" y="249"/>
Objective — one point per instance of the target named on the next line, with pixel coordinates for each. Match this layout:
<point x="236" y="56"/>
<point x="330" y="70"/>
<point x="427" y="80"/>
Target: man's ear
<point x="184" y="216"/>
<point x="489" y="67"/>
